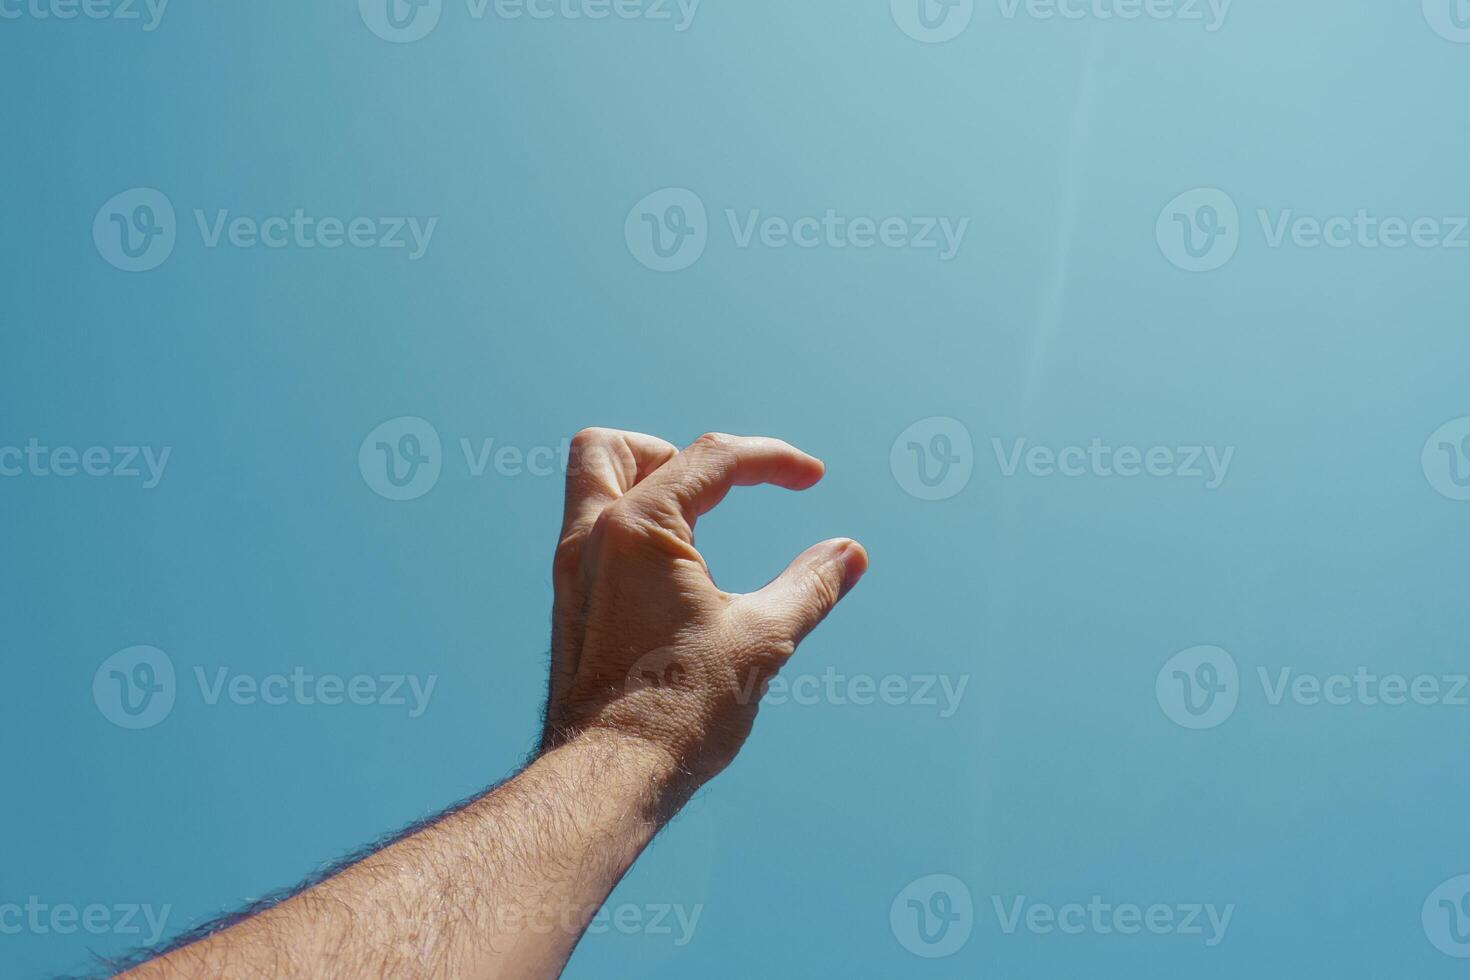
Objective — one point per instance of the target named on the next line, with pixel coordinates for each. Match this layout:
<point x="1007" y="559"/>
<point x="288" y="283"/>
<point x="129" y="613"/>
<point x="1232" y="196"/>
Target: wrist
<point x="631" y="770"/>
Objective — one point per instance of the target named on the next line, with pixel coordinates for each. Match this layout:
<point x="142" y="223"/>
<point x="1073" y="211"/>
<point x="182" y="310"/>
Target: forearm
<point x="501" y="888"/>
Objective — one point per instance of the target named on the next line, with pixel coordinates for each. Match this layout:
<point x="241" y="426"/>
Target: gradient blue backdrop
<point x="1060" y="321"/>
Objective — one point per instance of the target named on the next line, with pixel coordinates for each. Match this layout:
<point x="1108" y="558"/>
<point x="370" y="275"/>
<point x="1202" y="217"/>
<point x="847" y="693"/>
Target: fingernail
<point x="854" y="558"/>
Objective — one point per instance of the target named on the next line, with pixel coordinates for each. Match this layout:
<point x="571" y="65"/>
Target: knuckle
<point x="824" y="588"/>
<point x="715" y="440"/>
<point x="567" y="559"/>
<point x="778" y="648"/>
<point x="586" y="446"/>
<point x="620" y="524"/>
<point x="591" y="436"/>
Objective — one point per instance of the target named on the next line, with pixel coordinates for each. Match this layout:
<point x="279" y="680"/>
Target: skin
<point x="656" y="677"/>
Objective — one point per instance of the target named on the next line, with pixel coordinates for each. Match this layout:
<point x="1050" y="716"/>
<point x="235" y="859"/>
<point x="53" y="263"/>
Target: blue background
<point x="1060" y="321"/>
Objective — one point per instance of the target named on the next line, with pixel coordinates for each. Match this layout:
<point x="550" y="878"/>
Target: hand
<point x="655" y="679"/>
<point x="645" y="647"/>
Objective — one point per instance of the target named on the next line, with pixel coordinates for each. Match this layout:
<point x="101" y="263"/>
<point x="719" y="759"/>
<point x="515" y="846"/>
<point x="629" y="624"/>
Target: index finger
<point x="603" y="465"/>
<point x="696" y="480"/>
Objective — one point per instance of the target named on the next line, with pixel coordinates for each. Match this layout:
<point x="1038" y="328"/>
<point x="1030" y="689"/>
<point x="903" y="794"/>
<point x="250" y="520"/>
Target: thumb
<point x="812" y="585"/>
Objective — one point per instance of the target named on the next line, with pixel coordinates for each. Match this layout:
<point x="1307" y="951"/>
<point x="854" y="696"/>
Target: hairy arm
<point x="656" y="677"/>
<point x="502" y="887"/>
